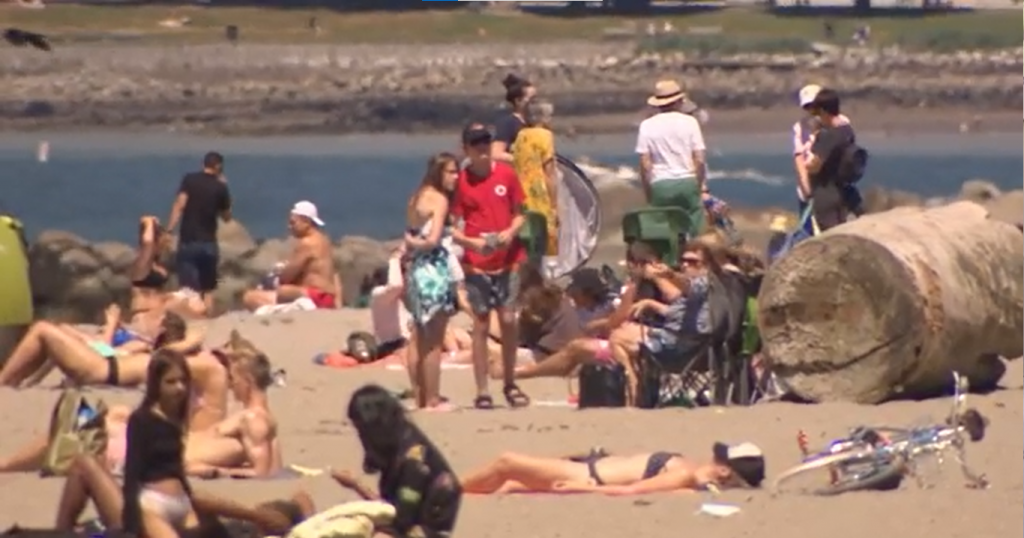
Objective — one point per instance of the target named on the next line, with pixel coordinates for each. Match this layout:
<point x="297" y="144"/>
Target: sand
<point x="310" y="411"/>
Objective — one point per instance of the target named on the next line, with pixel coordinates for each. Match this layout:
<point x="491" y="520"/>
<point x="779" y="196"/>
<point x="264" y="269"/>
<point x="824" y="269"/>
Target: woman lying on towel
<point x="734" y="466"/>
<point x="414" y="476"/>
<point x="86" y="360"/>
<point x="89" y="480"/>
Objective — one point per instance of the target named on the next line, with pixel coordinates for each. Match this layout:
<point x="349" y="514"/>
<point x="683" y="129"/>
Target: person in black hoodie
<point x="414" y="477"/>
<point x="157" y="496"/>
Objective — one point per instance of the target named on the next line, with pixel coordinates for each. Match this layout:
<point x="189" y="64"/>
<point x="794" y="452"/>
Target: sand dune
<point x="311" y="408"/>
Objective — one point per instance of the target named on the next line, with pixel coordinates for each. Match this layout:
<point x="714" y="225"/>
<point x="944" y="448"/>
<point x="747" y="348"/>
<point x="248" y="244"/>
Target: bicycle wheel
<point x="841" y="473"/>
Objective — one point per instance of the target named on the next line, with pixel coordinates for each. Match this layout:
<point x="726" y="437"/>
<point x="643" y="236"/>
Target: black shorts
<point x="197" y="266"/>
<point x="492" y="291"/>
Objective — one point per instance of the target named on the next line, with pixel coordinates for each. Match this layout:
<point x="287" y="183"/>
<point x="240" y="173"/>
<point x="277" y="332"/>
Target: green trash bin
<point x="661" y="227"/>
<point x="534" y="236"/>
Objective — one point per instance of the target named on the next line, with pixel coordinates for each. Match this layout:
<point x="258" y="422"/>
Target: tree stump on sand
<point x="889" y="305"/>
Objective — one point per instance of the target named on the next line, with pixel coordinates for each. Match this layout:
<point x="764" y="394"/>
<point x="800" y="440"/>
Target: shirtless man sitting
<point x="245" y="444"/>
<point x="309" y="271"/>
<point x="731" y="466"/>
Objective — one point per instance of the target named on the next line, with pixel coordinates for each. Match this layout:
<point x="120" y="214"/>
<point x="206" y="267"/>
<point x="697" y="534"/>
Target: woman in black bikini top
<point x="598" y="472"/>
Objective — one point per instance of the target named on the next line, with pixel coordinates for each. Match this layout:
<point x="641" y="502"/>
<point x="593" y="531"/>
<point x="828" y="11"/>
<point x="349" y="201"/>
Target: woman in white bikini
<point x="157" y="496"/>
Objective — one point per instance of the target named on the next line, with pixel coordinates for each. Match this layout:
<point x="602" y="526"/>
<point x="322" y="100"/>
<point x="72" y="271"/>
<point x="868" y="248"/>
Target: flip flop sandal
<point x="484" y="401"/>
<point x="515" y="396"/>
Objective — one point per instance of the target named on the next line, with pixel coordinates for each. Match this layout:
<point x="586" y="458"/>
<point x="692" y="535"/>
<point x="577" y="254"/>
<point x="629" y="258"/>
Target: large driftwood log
<point x="889" y="305"/>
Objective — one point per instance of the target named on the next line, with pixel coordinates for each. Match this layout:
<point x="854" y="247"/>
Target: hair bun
<point x="511" y="80"/>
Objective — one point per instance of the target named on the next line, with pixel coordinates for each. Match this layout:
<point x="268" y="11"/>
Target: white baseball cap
<point x="307" y="209"/>
<point x="808" y="93"/>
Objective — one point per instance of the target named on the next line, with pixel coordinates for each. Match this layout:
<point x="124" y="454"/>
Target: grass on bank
<point x="725" y="30"/>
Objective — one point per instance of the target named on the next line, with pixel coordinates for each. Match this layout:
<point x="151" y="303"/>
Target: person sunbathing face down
<point x="415" y="477"/>
<point x="88" y="362"/>
<point x="309" y="273"/>
<point x="731" y="466"/>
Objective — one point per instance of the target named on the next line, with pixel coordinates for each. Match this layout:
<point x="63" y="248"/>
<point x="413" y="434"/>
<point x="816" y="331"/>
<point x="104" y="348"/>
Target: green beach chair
<point x="661" y="227"/>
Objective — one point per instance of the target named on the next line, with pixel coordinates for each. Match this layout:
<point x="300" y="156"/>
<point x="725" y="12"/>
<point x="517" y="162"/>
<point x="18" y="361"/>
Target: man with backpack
<point x="835" y="163"/>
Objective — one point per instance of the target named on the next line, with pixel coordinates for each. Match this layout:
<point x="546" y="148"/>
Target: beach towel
<point x="357" y="519"/>
<point x="302" y="304"/>
<point x="429" y="285"/>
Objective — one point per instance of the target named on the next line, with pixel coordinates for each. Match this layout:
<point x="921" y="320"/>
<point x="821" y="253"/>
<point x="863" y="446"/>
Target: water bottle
<point x="272" y="279"/>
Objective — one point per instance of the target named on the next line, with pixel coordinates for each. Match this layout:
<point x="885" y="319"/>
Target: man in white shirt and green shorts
<point x="672" y="163"/>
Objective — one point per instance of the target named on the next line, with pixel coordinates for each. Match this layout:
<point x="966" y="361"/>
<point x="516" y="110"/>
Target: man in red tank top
<point x="488" y="204"/>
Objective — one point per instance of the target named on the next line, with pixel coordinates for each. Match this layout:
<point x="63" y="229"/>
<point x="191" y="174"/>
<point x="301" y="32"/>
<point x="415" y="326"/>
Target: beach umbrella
<point x="579" y="217"/>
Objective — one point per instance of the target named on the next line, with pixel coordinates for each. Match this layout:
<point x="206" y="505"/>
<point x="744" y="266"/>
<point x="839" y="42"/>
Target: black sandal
<point x="483" y="401"/>
<point x="515" y="396"/>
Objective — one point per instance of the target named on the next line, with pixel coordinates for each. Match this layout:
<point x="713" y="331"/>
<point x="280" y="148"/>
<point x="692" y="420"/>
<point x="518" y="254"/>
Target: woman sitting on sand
<point x="85" y="362"/>
<point x="735" y="466"/>
<point x="414" y="476"/>
<point x="157" y="496"/>
<point x="149" y="278"/>
<point x="89" y="480"/>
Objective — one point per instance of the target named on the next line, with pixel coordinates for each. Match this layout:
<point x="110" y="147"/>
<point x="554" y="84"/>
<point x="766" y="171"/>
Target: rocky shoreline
<point x="264" y="89"/>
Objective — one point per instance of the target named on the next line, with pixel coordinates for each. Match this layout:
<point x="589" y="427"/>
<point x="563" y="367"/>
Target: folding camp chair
<point x="694" y="372"/>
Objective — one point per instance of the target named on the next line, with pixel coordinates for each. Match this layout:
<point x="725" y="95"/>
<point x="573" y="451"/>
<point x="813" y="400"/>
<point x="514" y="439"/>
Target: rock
<point x="355" y="257"/>
<point x="878" y="199"/>
<point x="1007" y="207"/>
<point x="979" y="190"/>
<point x="888" y="305"/>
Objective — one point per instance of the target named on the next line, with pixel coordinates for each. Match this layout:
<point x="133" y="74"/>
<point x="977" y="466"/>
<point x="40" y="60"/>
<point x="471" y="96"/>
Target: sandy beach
<point x="310" y="412"/>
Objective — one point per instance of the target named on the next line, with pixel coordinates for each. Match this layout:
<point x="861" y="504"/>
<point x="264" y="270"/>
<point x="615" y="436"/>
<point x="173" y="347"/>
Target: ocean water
<point x="97" y="185"/>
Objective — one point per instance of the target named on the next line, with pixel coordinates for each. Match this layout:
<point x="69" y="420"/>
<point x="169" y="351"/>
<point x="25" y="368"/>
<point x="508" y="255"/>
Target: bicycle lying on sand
<point x="878" y="458"/>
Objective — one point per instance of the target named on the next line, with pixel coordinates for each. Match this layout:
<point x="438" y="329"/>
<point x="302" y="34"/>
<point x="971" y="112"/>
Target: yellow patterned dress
<point x="535" y="147"/>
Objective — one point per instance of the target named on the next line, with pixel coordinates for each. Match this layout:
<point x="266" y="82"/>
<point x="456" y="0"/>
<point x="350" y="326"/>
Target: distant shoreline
<point x="868" y="118"/>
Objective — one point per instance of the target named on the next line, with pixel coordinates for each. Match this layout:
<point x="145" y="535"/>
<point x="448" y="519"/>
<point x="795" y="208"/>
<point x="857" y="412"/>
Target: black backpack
<point x="853" y="161"/>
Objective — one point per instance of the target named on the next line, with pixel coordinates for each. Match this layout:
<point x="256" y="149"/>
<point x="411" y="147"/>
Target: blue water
<point x="98" y="185"/>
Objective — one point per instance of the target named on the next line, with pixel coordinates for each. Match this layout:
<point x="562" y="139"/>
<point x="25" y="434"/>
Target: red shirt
<point x="488" y="205"/>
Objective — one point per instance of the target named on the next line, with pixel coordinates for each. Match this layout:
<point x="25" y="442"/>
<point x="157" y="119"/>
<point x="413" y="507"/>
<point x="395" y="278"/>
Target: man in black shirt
<point x="203" y="197"/>
<point x="832" y="196"/>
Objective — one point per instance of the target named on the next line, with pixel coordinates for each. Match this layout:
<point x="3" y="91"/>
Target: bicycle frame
<point x="915" y="442"/>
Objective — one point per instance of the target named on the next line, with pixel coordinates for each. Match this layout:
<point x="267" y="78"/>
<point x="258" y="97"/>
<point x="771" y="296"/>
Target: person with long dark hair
<point x="429" y="282"/>
<point x="518" y="93"/>
<point x="157" y="495"/>
<point x="414" y="477"/>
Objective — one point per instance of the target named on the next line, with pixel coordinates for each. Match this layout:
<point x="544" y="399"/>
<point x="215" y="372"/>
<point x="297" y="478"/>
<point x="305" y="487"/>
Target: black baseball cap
<point x="745" y="459"/>
<point x="475" y="133"/>
<point x="587" y="280"/>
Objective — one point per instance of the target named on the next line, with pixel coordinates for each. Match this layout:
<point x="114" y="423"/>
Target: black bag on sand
<point x="602" y="386"/>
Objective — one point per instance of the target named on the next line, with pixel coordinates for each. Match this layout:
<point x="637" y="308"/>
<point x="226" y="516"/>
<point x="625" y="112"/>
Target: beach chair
<point x="664" y="228"/>
<point x="534" y="236"/>
<point x="693" y="373"/>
